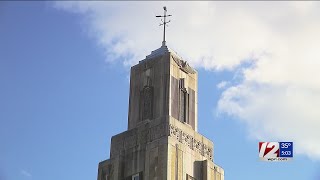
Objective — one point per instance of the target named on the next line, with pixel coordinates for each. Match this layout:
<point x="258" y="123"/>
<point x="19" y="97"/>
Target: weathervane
<point x="164" y="23"/>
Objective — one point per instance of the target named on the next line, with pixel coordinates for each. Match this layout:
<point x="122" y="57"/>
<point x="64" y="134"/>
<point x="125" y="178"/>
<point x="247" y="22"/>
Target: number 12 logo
<point x="268" y="149"/>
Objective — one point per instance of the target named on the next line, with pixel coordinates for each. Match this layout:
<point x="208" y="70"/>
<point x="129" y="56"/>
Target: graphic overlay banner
<point x="275" y="151"/>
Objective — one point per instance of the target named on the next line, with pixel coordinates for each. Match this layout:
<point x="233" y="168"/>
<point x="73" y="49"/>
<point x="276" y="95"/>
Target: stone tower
<point x="162" y="142"/>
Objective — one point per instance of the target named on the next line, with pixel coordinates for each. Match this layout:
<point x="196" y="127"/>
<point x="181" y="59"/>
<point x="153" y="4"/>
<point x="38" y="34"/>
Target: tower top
<point x="164" y="23"/>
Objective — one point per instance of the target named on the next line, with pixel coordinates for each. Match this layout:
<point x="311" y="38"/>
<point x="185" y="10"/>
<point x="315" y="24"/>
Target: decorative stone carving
<point x="209" y="153"/>
<point x="156" y="132"/>
<point x="197" y="146"/>
<point x="183" y="65"/>
<point x="190" y="141"/>
<point x="175" y="132"/>
<point x="187" y="140"/>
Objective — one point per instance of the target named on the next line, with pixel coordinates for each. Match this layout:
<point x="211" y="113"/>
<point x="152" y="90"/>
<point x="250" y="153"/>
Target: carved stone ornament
<point x="190" y="141"/>
<point x="159" y="131"/>
<point x="183" y="65"/>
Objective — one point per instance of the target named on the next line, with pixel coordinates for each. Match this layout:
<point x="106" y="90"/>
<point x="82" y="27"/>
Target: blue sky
<point x="64" y="93"/>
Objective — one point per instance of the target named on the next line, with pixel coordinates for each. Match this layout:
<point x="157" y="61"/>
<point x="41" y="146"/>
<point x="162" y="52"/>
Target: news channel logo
<point x="275" y="151"/>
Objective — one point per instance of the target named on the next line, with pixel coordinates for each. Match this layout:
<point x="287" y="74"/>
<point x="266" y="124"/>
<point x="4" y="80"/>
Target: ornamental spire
<point x="164" y="23"/>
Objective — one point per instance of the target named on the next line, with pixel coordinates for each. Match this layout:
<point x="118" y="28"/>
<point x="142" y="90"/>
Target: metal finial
<point x="164" y="23"/>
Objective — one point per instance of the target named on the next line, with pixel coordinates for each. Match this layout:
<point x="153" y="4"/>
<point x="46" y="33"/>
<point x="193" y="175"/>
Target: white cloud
<point x="277" y="113"/>
<point x="222" y="84"/>
<point x="26" y="173"/>
<point x="278" y="96"/>
<point x="201" y="31"/>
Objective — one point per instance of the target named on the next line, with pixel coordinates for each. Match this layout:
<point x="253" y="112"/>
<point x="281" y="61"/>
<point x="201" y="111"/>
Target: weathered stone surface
<point x="161" y="143"/>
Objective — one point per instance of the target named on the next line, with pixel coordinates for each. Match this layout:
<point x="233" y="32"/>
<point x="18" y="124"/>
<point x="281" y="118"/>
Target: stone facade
<point x="162" y="142"/>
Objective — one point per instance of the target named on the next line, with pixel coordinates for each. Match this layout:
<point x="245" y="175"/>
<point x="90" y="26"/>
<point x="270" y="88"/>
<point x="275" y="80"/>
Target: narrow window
<point x="184" y="102"/>
<point x="182" y="105"/>
<point x="147" y="95"/>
